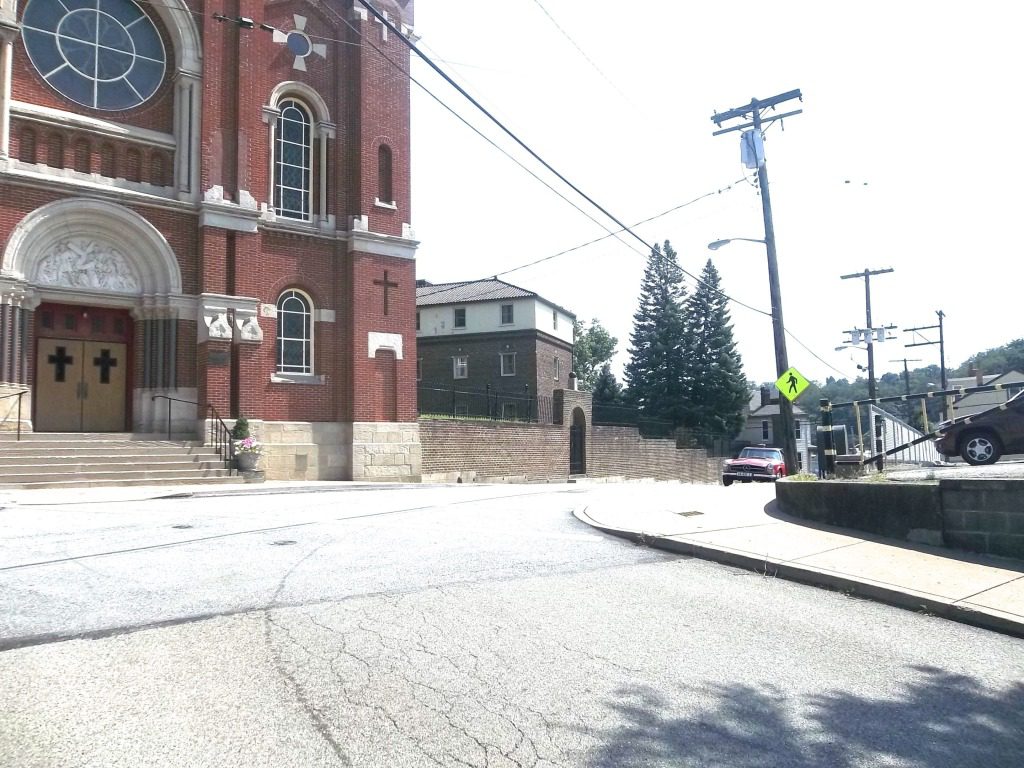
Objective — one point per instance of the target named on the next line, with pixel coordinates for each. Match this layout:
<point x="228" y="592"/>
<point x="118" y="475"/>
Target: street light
<point x="841" y="347"/>
<point x="779" y="329"/>
<point x="719" y="243"/>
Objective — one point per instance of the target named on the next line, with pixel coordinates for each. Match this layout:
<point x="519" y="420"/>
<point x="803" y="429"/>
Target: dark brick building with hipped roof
<point x="489" y="333"/>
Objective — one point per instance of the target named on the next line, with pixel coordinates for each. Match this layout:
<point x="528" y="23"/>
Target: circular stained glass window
<point x="299" y="44"/>
<point x="103" y="54"/>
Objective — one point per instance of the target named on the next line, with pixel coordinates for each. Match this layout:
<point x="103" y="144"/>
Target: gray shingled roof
<point x="466" y="292"/>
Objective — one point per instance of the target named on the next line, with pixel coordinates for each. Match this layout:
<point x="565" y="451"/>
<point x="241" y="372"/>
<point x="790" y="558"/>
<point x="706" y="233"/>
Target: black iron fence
<point x="445" y="401"/>
<point x="715" y="443"/>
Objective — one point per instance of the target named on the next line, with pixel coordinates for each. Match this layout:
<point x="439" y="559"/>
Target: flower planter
<point x="247" y="461"/>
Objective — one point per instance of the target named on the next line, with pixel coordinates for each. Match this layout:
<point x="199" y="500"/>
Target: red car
<point x="755" y="464"/>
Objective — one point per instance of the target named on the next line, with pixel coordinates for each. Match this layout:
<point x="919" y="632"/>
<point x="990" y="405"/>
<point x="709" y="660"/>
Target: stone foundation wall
<point x="386" y="451"/>
<point x="9" y="408"/>
<point x="304" y="450"/>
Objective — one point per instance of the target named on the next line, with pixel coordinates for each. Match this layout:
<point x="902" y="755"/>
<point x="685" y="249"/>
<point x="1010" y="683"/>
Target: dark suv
<point x="985" y="437"/>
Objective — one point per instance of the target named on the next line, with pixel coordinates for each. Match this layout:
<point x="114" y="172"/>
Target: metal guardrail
<point x="219" y="435"/>
<point x="878" y="459"/>
<point x="20" y="394"/>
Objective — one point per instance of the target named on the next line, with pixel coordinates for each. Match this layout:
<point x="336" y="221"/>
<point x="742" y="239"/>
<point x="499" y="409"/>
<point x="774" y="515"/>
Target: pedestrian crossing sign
<point x="791" y="384"/>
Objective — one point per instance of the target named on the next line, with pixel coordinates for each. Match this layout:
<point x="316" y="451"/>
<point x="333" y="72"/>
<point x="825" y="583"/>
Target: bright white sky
<point x="918" y="99"/>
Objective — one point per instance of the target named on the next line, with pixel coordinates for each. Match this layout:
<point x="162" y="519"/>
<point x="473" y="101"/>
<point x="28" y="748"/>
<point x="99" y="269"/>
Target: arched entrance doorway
<point x="88" y="269"/>
<point x="578" y="443"/>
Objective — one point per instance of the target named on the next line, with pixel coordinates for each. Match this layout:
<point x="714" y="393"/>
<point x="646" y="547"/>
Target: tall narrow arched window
<point x="293" y="161"/>
<point x="385" y="191"/>
<point x="294" y="333"/>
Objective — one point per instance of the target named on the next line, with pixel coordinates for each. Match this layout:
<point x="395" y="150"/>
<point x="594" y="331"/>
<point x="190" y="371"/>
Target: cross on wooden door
<point x="105" y="362"/>
<point x="386" y="285"/>
<point x="62" y="359"/>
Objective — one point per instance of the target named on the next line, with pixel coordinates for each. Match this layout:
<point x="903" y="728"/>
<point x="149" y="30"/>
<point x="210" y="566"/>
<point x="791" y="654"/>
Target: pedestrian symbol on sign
<point x="791" y="384"/>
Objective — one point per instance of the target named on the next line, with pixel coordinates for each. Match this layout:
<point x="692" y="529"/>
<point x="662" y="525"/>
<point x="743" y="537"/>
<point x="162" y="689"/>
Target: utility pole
<point x="906" y="372"/>
<point x="866" y="274"/>
<point x="753" y="111"/>
<point x="942" y="353"/>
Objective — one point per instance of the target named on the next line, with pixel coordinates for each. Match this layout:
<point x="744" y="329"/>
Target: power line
<point x="448" y="79"/>
<point x="583" y="53"/>
<point x="622" y="227"/>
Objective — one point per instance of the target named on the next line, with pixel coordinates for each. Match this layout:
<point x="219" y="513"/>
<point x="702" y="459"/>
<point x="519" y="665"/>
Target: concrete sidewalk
<point x="986" y="592"/>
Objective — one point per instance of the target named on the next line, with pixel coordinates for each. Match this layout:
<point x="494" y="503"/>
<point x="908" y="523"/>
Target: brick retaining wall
<point x="481" y="451"/>
<point x="477" y="451"/>
<point x="621" y="451"/>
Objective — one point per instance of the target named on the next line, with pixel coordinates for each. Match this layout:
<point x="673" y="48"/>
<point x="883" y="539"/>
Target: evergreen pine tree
<point x="607" y="390"/>
<point x="657" y="372"/>
<point x="719" y="389"/>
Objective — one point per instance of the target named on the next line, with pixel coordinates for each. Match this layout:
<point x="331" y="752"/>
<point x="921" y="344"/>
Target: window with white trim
<point x="293" y="161"/>
<point x="294" y="333"/>
<point x="460" y="318"/>
<point x="766" y="430"/>
<point x="508" y="363"/>
<point x="796" y="428"/>
<point x="460" y="367"/>
<point x="557" y="365"/>
<point x="554" y="319"/>
<point x="507" y="316"/>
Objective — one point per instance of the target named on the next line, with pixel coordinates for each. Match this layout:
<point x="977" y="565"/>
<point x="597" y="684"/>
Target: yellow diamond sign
<point x="791" y="384"/>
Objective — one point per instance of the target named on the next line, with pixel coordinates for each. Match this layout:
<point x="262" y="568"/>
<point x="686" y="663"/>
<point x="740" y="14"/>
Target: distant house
<point x="762" y="426"/>
<point x="492" y="334"/>
<point x="976" y="402"/>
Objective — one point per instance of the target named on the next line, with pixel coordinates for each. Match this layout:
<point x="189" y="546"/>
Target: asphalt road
<point x="479" y="626"/>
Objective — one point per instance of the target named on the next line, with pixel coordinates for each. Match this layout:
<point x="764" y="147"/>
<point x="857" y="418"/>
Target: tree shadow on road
<point x="937" y="720"/>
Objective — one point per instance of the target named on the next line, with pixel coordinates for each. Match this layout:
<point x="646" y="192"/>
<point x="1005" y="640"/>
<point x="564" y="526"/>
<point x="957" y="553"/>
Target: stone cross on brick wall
<point x="383" y="26"/>
<point x="386" y="284"/>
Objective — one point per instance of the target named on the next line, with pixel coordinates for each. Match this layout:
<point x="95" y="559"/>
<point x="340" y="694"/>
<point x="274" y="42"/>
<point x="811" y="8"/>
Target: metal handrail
<point x="20" y="394"/>
<point x="220" y="438"/>
<point x="169" y="401"/>
<point x="219" y="433"/>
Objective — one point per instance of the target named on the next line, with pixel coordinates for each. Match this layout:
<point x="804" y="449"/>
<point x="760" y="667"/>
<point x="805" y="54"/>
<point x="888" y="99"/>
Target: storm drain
<point x="182" y="526"/>
<point x="282" y="542"/>
<point x="691" y="513"/>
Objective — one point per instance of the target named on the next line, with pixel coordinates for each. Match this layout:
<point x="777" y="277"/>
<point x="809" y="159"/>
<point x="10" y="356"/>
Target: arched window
<point x="294" y="333"/>
<point x="385" y="192"/>
<point x="293" y="161"/>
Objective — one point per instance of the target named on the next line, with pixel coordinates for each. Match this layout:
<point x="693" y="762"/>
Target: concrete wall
<point x="906" y="511"/>
<point x="984" y="516"/>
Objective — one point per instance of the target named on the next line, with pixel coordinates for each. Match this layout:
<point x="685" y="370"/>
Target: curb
<point x="849" y="585"/>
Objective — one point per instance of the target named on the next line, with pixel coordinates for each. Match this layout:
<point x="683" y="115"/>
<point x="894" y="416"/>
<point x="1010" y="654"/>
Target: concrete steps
<point x="86" y="460"/>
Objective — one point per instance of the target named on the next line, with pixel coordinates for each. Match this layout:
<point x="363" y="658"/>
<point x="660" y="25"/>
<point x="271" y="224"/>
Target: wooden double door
<point x="81" y="383"/>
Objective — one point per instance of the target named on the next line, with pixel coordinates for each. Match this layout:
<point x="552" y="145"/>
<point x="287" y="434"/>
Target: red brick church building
<point x="210" y="201"/>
